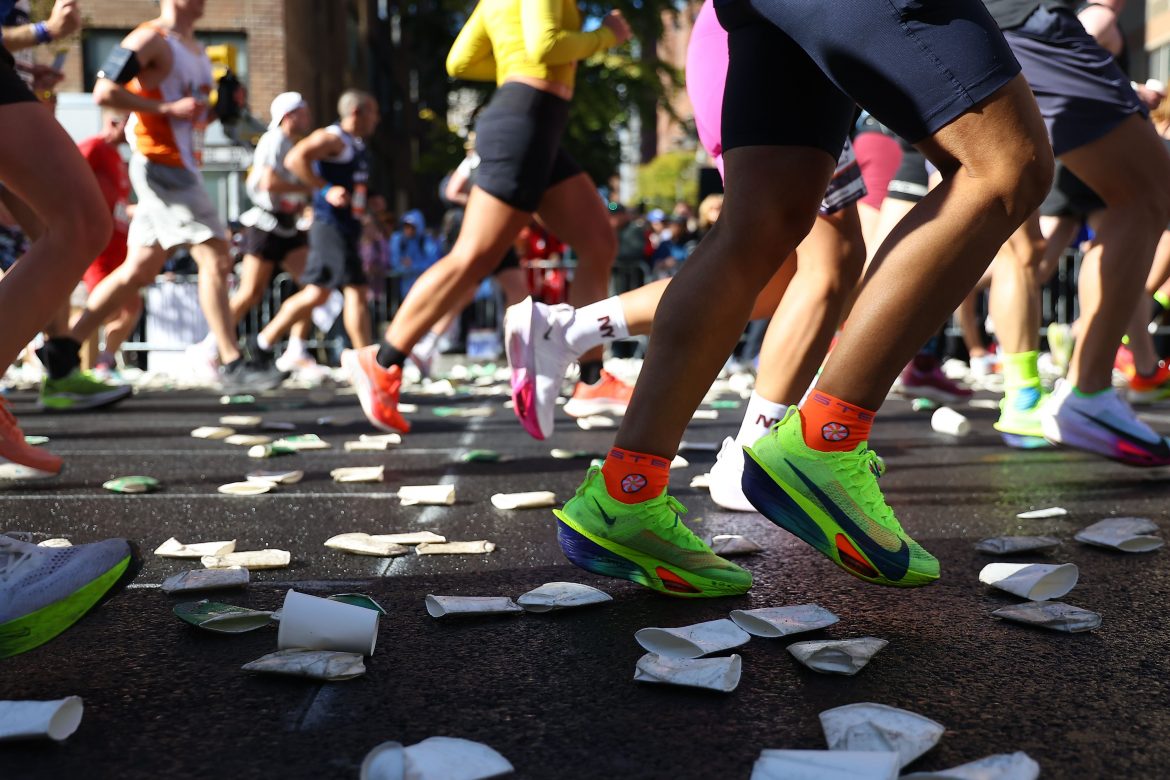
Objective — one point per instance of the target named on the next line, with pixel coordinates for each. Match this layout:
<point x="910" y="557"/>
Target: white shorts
<point x="173" y="207"/>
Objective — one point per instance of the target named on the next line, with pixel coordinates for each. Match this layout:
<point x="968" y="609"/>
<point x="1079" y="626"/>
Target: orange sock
<point x="832" y="425"/>
<point x="632" y="477"/>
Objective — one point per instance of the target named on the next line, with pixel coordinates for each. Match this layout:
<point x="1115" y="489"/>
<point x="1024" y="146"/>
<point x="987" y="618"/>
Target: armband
<point x="121" y="66"/>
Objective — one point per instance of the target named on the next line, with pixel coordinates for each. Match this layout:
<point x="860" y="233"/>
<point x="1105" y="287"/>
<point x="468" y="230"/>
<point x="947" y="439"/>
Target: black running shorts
<point x="12" y="86"/>
<point x="333" y="261"/>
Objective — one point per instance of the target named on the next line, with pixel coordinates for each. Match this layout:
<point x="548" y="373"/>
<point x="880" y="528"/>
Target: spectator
<point x="672" y="248"/>
<point x="412" y="250"/>
<point x="709" y="213"/>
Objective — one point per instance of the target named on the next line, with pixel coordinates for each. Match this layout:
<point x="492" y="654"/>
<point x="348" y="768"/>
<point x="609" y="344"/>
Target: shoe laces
<point x="862" y="469"/>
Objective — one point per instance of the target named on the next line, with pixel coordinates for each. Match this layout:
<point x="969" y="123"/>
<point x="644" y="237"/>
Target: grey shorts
<point x="1081" y="91"/>
<point x="173" y="207"/>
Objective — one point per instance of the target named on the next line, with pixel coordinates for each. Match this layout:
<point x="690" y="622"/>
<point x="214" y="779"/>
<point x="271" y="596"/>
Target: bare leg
<point x="1015" y="289"/>
<point x="122" y="325"/>
<point x="355" y="313"/>
<point x="294" y="310"/>
<point x="514" y="285"/>
<point x="141" y="266"/>
<point x="255" y="274"/>
<point x="294" y="263"/>
<point x="214" y="266"/>
<point x="1129" y="168"/>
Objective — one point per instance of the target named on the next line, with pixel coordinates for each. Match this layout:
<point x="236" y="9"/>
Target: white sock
<point x="596" y="324"/>
<point x="759" y="416"/>
<point x="263" y="343"/>
<point x="208" y="345"/>
<point x="295" y="344"/>
<point x="425" y="347"/>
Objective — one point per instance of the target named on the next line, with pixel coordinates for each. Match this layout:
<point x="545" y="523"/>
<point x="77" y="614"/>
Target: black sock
<point x="389" y="356"/>
<point x="591" y="372"/>
<point x="61" y="356"/>
<point x="235" y="365"/>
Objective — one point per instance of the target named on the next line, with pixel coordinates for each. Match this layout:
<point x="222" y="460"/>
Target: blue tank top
<point x="349" y="169"/>
<point x="5" y="10"/>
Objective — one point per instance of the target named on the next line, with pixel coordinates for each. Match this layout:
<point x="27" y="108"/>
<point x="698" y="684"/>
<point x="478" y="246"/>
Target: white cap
<point x="284" y="104"/>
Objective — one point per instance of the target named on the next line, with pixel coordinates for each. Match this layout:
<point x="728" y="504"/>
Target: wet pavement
<point x="554" y="693"/>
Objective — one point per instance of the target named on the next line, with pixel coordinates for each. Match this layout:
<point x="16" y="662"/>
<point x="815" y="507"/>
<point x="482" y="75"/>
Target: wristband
<point x="42" y="33"/>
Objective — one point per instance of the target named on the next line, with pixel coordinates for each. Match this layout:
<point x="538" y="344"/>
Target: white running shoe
<point x="534" y="338"/>
<point x="727" y="476"/>
<point x="301" y="363"/>
<point x="1104" y="425"/>
<point x="204" y="365"/>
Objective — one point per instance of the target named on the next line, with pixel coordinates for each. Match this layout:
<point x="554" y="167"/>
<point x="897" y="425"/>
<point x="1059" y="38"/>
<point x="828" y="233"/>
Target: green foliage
<point x="669" y="178"/>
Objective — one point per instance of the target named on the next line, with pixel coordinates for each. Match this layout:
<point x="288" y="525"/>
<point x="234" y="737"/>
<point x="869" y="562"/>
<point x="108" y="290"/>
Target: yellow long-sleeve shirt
<point x="537" y="38"/>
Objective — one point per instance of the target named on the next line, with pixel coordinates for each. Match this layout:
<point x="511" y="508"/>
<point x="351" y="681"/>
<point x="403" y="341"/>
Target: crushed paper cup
<point x="825" y="765"/>
<point x="1002" y="766"/>
<point x="240" y="420"/>
<point x="136" y="484"/>
<point x="364" y="544"/>
<point x="276" y="477"/>
<point x="358" y="600"/>
<point x="692" y="641"/>
<point x="366" y="446"/>
<point x="246" y="439"/>
<point x="385" y="762"/>
<point x="327" y="665"/>
<point x="173" y="548"/>
<point x="35" y="441"/>
<point x="1043" y="514"/>
<point x="1031" y="581"/>
<point x="305" y="441"/>
<point x="359" y="474"/>
<point x="705" y="414"/>
<point x="716" y="674"/>
<point x="237" y="399"/>
<point x="478" y="547"/>
<point x="702" y="481"/>
<point x="410" y="538"/>
<point x="534" y="500"/>
<point x="206" y="579"/>
<point x="249" y="559"/>
<point x="221" y="618"/>
<point x="322" y="624"/>
<point x="427" y="495"/>
<point x="407" y="408"/>
<point x="679" y="462"/>
<point x="1127" y="534"/>
<point x="1055" y="615"/>
<point x="923" y="405"/>
<point x="55" y="720"/>
<point x="212" y="432"/>
<point x="561" y="454"/>
<point x="553" y="596"/>
<point x="444" y="606"/>
<point x="55" y="543"/>
<point x="773" y="622"/>
<point x="480" y="456"/>
<point x="868" y="726"/>
<point x="947" y="420"/>
<point x="249" y="488"/>
<point x="837" y="656"/>
<point x="388" y="439"/>
<point x="273" y="450"/>
<point x="1013" y="545"/>
<point x="733" y="544"/>
<point x="595" y="422"/>
<point x="450" y="758"/>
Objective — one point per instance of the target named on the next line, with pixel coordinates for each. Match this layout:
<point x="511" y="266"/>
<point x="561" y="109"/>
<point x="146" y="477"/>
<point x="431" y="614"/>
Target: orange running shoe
<point x="609" y="396"/>
<point x="18" y="459"/>
<point x="1149" y="389"/>
<point x="377" y="388"/>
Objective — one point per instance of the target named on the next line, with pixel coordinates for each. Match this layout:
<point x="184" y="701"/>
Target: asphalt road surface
<point x="555" y="693"/>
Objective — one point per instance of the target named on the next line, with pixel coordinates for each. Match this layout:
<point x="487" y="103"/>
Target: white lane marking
<point x="318" y="708"/>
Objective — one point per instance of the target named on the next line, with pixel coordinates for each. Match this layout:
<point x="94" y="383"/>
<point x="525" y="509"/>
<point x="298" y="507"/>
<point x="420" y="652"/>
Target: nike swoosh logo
<point x="892" y="565"/>
<point x="548" y="333"/>
<point x="1161" y="450"/>
<point x="609" y="520"/>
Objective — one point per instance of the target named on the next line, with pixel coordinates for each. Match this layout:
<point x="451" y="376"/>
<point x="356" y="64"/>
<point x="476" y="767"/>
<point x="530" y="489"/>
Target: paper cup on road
<point x="55" y="720"/>
<point x="1127" y="534"/>
<point x="839" y="656"/>
<point x="553" y="596"/>
<point x="825" y="765"/>
<point x="1054" y="615"/>
<point x="444" y="606"/>
<point x="1013" y="545"/>
<point x="276" y="477"/>
<point x="868" y="726"/>
<point x="693" y="641"/>
<point x="1043" y="514"/>
<point x="364" y="544"/>
<point x="773" y="622"/>
<point x="320" y="624"/>
<point x="246" y="439"/>
<point x="173" y="548"/>
<point x="1031" y="581"/>
<point x="359" y="474"/>
<point x="212" y="432"/>
<point x="595" y="422"/>
<point x="385" y="762"/>
<point x="679" y="462"/>
<point x="249" y="488"/>
<point x="56" y="543"/>
<point x="477" y="547"/>
<point x="240" y="420"/>
<point x="716" y="674"/>
<point x="1003" y="766"/>
<point x="449" y="758"/>
<point x="326" y="665"/>
<point x="206" y="579"/>
<point x="947" y="420"/>
<point x="249" y="559"/>
<point x="533" y="500"/>
<point x="428" y="495"/>
<point x="733" y="544"/>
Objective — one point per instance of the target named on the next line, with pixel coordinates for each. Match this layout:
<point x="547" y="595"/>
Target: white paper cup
<point x="773" y="622"/>
<point x="313" y="623"/>
<point x="1031" y="581"/>
<point x="948" y="421"/>
<point x="825" y="765"/>
<point x="432" y="495"/>
<point x="692" y="641"/>
<point x="55" y="720"/>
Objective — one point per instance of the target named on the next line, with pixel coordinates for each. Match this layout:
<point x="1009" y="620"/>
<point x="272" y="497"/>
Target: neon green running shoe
<point x="80" y="390"/>
<point x="45" y="590"/>
<point x="832" y="501"/>
<point x="645" y="543"/>
<point x="1019" y="419"/>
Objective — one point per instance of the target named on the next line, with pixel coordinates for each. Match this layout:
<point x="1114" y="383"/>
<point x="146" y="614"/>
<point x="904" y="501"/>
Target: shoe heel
<point x="590" y="556"/>
<point x="774" y="503"/>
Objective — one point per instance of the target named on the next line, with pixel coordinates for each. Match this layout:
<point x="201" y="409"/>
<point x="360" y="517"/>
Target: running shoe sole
<point x="365" y="393"/>
<point x="610" y="559"/>
<point x="10" y="470"/>
<point x="796" y="514"/>
<point x="1118" y="450"/>
<point x="581" y="407"/>
<point x="71" y="402"/>
<point x="521" y="352"/>
<point x="36" y="628"/>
